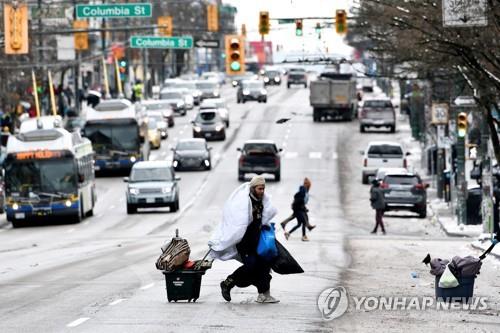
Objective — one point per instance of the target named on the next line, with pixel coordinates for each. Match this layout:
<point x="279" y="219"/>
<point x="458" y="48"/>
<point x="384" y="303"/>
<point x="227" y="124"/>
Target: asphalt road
<point x="99" y="275"/>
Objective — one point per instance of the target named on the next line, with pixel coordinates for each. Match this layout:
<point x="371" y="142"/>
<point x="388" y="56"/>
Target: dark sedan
<point x="405" y="191"/>
<point x="208" y="124"/>
<point x="251" y="90"/>
<point x="272" y="77"/>
<point x="192" y="154"/>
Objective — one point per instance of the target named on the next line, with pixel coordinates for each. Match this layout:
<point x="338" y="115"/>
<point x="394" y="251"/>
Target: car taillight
<point x="277" y="161"/>
<point x="405" y="163"/>
<point x="384" y="185"/>
<point x="365" y="162"/>
<point x="419" y="186"/>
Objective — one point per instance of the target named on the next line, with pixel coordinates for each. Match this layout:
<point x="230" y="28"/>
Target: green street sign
<point x="117" y="10"/>
<point x="154" y="42"/>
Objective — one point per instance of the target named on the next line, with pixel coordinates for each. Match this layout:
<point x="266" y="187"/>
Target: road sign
<point x="440" y="114"/>
<point x="154" y="42"/>
<point x="117" y="10"/>
<point x="208" y="43"/>
<point x="464" y="13"/>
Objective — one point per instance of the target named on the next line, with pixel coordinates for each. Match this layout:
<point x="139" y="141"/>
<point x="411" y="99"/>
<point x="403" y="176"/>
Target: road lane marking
<point x="147" y="286"/>
<point x="291" y="154"/>
<point x="77" y="322"/>
<point x="117" y="301"/>
<point x="315" y="155"/>
<point x="335" y="155"/>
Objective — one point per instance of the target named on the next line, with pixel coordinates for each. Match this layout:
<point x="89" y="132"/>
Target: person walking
<point x="300" y="213"/>
<point x="237" y="237"/>
<point x="377" y="203"/>
<point x="307" y="185"/>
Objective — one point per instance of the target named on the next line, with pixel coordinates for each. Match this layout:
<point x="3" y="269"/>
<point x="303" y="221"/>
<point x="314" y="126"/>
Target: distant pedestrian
<point x="307" y="185"/>
<point x="378" y="203"/>
<point x="246" y="211"/>
<point x="299" y="212"/>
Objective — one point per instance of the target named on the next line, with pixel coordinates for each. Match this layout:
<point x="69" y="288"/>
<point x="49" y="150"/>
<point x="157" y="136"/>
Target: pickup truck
<point x="377" y="113"/>
<point x="259" y="156"/>
<point x="333" y="95"/>
<point x="382" y="154"/>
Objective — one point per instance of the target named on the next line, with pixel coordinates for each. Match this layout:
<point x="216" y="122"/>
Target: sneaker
<point x="287" y="235"/>
<point x="225" y="289"/>
<point x="311" y="227"/>
<point x="261" y="298"/>
<point x="305" y="239"/>
<point x="266" y="298"/>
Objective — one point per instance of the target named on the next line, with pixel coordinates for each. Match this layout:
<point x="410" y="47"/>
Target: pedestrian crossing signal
<point x="16" y="28"/>
<point x="81" y="38"/>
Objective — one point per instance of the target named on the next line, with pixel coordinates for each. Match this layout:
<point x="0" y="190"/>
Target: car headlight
<point x="246" y="92"/>
<point x="175" y="164"/>
<point x="266" y="79"/>
<point x="277" y="79"/>
<point x="166" y="190"/>
<point x="197" y="128"/>
<point x="133" y="159"/>
<point x="235" y="83"/>
<point x="219" y="128"/>
<point x="216" y="93"/>
<point x="15" y="206"/>
<point x="133" y="190"/>
<point x="263" y="92"/>
<point x="207" y="163"/>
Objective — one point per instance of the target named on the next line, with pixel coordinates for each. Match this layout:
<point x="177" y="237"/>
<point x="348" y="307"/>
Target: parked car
<point x="161" y="124"/>
<point x="154" y="135"/>
<point x="296" y="76"/>
<point x="272" y="77"/>
<point x="209" y="125"/>
<point x="377" y="113"/>
<point x="175" y="99"/>
<point x="192" y="154"/>
<point x="220" y="105"/>
<point x="382" y="154"/>
<point x="209" y="89"/>
<point x="259" y="156"/>
<point x="160" y="106"/>
<point x="152" y="184"/>
<point x="251" y="90"/>
<point x="405" y="191"/>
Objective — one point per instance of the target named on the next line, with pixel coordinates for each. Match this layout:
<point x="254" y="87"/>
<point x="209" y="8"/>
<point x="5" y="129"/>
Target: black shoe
<point x="311" y="227"/>
<point x="225" y="289"/>
<point x="374" y="232"/>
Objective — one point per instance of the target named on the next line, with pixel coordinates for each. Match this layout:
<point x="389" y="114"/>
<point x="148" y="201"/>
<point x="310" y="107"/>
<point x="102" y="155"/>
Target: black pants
<point x="255" y="271"/>
<point x="379" y="213"/>
<point x="301" y="221"/>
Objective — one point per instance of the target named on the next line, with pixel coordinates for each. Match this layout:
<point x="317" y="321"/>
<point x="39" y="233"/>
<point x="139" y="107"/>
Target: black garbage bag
<point x="285" y="263"/>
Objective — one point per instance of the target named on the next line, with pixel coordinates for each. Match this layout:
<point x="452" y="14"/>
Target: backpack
<point x="174" y="255"/>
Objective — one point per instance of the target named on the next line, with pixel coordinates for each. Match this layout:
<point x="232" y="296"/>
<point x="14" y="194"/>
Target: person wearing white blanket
<point x="237" y="237"/>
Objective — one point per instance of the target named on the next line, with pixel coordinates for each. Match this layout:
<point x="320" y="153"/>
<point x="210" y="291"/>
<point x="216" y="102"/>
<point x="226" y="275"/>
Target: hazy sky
<point x="284" y="34"/>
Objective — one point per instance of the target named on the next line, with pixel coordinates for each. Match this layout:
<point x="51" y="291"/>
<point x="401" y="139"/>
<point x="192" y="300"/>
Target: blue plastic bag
<point x="266" y="248"/>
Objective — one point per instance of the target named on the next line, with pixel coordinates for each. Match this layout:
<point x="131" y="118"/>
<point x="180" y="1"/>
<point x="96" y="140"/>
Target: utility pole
<point x="461" y="181"/>
<point x="76" y="69"/>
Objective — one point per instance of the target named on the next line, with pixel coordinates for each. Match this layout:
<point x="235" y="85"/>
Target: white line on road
<point x="291" y="154"/>
<point x="286" y="137"/>
<point x="86" y="222"/>
<point x="147" y="286"/>
<point x="284" y="144"/>
<point x="77" y="322"/>
<point x="117" y="301"/>
<point x="335" y="155"/>
<point x="315" y="155"/>
<point x="99" y="216"/>
<point x="2" y="230"/>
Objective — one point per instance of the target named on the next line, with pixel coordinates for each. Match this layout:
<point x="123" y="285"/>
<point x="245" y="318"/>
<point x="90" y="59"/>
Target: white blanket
<point x="236" y="216"/>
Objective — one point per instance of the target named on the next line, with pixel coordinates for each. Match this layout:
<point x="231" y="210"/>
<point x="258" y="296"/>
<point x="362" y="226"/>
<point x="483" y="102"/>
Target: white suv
<point x="382" y="154"/>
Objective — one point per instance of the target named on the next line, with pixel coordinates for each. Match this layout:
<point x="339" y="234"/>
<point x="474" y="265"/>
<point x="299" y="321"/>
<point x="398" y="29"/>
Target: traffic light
<point x="122" y="68"/>
<point x="212" y="18"/>
<point x="165" y="26"/>
<point x="81" y="38"/>
<point x="318" y="28"/>
<point x="298" y="28"/>
<point x="462" y="124"/>
<point x="235" y="54"/>
<point x="264" y="23"/>
<point x="341" y="21"/>
<point x="16" y="28"/>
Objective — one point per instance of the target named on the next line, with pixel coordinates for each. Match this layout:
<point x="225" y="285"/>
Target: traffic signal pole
<point x="461" y="182"/>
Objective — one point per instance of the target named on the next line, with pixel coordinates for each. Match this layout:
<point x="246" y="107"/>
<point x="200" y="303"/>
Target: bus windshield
<point x="49" y="176"/>
<point x="109" y="136"/>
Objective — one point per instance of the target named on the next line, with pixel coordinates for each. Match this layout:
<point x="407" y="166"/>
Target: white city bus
<point x="49" y="173"/>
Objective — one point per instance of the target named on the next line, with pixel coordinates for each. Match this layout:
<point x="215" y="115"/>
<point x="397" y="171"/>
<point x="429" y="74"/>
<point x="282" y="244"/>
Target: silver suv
<point x="377" y="113"/>
<point x="152" y="184"/>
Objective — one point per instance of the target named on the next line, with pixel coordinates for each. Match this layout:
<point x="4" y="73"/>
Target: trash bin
<point x="464" y="291"/>
<point x="183" y="285"/>
<point x="474" y="198"/>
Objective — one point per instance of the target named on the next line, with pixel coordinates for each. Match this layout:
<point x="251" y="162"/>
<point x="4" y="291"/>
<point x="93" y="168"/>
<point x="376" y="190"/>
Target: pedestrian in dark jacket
<point x="300" y="213"/>
<point x="307" y="185"/>
<point x="255" y="270"/>
<point x="377" y="203"/>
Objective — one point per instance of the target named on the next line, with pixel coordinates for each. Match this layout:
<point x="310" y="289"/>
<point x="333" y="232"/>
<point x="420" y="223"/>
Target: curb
<point x="497" y="256"/>
<point x="443" y="228"/>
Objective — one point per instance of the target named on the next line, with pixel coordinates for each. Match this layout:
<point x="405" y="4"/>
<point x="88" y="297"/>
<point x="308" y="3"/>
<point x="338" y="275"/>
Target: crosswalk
<point x="288" y="155"/>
